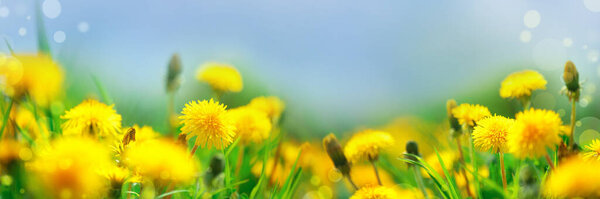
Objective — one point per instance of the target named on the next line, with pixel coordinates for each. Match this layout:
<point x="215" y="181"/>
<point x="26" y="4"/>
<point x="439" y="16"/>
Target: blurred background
<point x="338" y="65"/>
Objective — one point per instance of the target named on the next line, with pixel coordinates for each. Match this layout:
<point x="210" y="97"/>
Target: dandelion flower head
<point x="367" y="145"/>
<point x="210" y="122"/>
<point x="92" y="118"/>
<point x="221" y="77"/>
<point x="521" y="84"/>
<point x="491" y="132"/>
<point x="470" y="113"/>
<point x="533" y="131"/>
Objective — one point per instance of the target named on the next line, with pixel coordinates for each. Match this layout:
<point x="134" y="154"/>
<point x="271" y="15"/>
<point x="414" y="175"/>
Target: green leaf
<point x="105" y="97"/>
<point x="171" y="193"/>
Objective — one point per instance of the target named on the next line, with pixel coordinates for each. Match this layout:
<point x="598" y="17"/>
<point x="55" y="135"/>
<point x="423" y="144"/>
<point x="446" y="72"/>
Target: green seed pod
<point x="455" y="128"/>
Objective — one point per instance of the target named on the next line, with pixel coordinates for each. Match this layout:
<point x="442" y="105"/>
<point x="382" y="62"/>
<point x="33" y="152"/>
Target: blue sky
<point x="349" y="60"/>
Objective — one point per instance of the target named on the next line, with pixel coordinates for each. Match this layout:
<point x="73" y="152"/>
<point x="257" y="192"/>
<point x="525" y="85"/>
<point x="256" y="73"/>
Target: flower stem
<point x="376" y="171"/>
<point x="464" y="172"/>
<point x="170" y="111"/>
<point x="419" y="180"/>
<point x="502" y="171"/>
<point x="351" y="182"/>
<point x="239" y="160"/>
<point x="549" y="160"/>
<point x="572" y="132"/>
<point x="193" y="150"/>
<point x="474" y="161"/>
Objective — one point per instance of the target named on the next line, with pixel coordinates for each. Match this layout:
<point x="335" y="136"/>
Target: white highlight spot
<point x="593" y="56"/>
<point x="51" y="8"/>
<point x="59" y="36"/>
<point x="4" y="11"/>
<point x="532" y="18"/>
<point x="28" y="17"/>
<point x="525" y="36"/>
<point x="549" y="54"/>
<point x="22" y="31"/>
<point x="592" y="5"/>
<point x="567" y="42"/>
<point x="83" y="26"/>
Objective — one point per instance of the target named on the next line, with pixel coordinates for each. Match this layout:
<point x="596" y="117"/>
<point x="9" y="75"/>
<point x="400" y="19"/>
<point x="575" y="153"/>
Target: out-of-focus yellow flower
<point x="574" y="178"/>
<point x="251" y="125"/>
<point x="42" y="78"/>
<point x="592" y="150"/>
<point x="92" y="118"/>
<point x="364" y="175"/>
<point x="533" y="131"/>
<point x="209" y="121"/>
<point x="25" y="119"/>
<point x="367" y="145"/>
<point x="161" y="161"/>
<point x="12" y="150"/>
<point x="376" y="192"/>
<point x="404" y="129"/>
<point x="70" y="167"/>
<point x="448" y="157"/>
<point x="143" y="133"/>
<point x="272" y="106"/>
<point x="520" y="84"/>
<point x="221" y="77"/>
<point x="491" y="132"/>
<point x="470" y="113"/>
<point x="11" y="74"/>
<point x="280" y="172"/>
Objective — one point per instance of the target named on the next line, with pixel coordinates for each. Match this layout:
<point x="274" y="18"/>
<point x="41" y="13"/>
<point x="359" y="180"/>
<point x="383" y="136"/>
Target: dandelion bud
<point x="173" y="73"/>
<point x="334" y="150"/>
<point x="129" y="136"/>
<point x="217" y="164"/>
<point x="527" y="175"/>
<point x="454" y="125"/>
<point x="529" y="187"/>
<point x="571" y="77"/>
<point x="216" y="167"/>
<point x="411" y="148"/>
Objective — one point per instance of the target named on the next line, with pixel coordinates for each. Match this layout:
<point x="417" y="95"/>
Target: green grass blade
<point x="12" y="52"/>
<point x="105" y="97"/>
<point x="5" y="116"/>
<point x="449" y="179"/>
<point x="43" y="45"/>
<point x="263" y="175"/>
<point x="171" y="193"/>
<point x="437" y="179"/>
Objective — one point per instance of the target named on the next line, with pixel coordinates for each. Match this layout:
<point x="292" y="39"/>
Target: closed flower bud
<point x="527" y="175"/>
<point x="217" y="164"/>
<point x="214" y="175"/>
<point x="334" y="150"/>
<point x="412" y="148"/>
<point x="129" y="136"/>
<point x="455" y="128"/>
<point x="571" y="77"/>
<point x="173" y="73"/>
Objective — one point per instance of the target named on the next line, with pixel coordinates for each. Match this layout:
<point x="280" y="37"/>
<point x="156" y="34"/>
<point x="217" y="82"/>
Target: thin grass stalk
<point x="6" y="116"/>
<point x="549" y="160"/>
<point x="463" y="171"/>
<point x="502" y="171"/>
<point x="473" y="161"/>
<point x="376" y="171"/>
<point x="419" y="180"/>
<point x="572" y="129"/>
<point x="240" y="159"/>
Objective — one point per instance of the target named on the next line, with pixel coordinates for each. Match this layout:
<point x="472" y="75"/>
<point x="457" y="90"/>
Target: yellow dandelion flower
<point x="70" y="167"/>
<point x="491" y="132"/>
<point x="251" y="125"/>
<point x="221" y="77"/>
<point x="161" y="161"/>
<point x="375" y="192"/>
<point x="574" y="178"/>
<point x="42" y="78"/>
<point x="470" y="113"/>
<point x="209" y="121"/>
<point x="367" y="145"/>
<point x="115" y="175"/>
<point x="592" y="150"/>
<point x="92" y="118"/>
<point x="272" y="106"/>
<point x="521" y="84"/>
<point x="533" y="131"/>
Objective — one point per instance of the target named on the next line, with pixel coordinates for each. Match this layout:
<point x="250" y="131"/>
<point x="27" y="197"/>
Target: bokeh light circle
<point x="59" y="36"/>
<point x="549" y="54"/>
<point x="525" y="36"/>
<point x="532" y="18"/>
<point x="592" y="5"/>
<point x="51" y="8"/>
